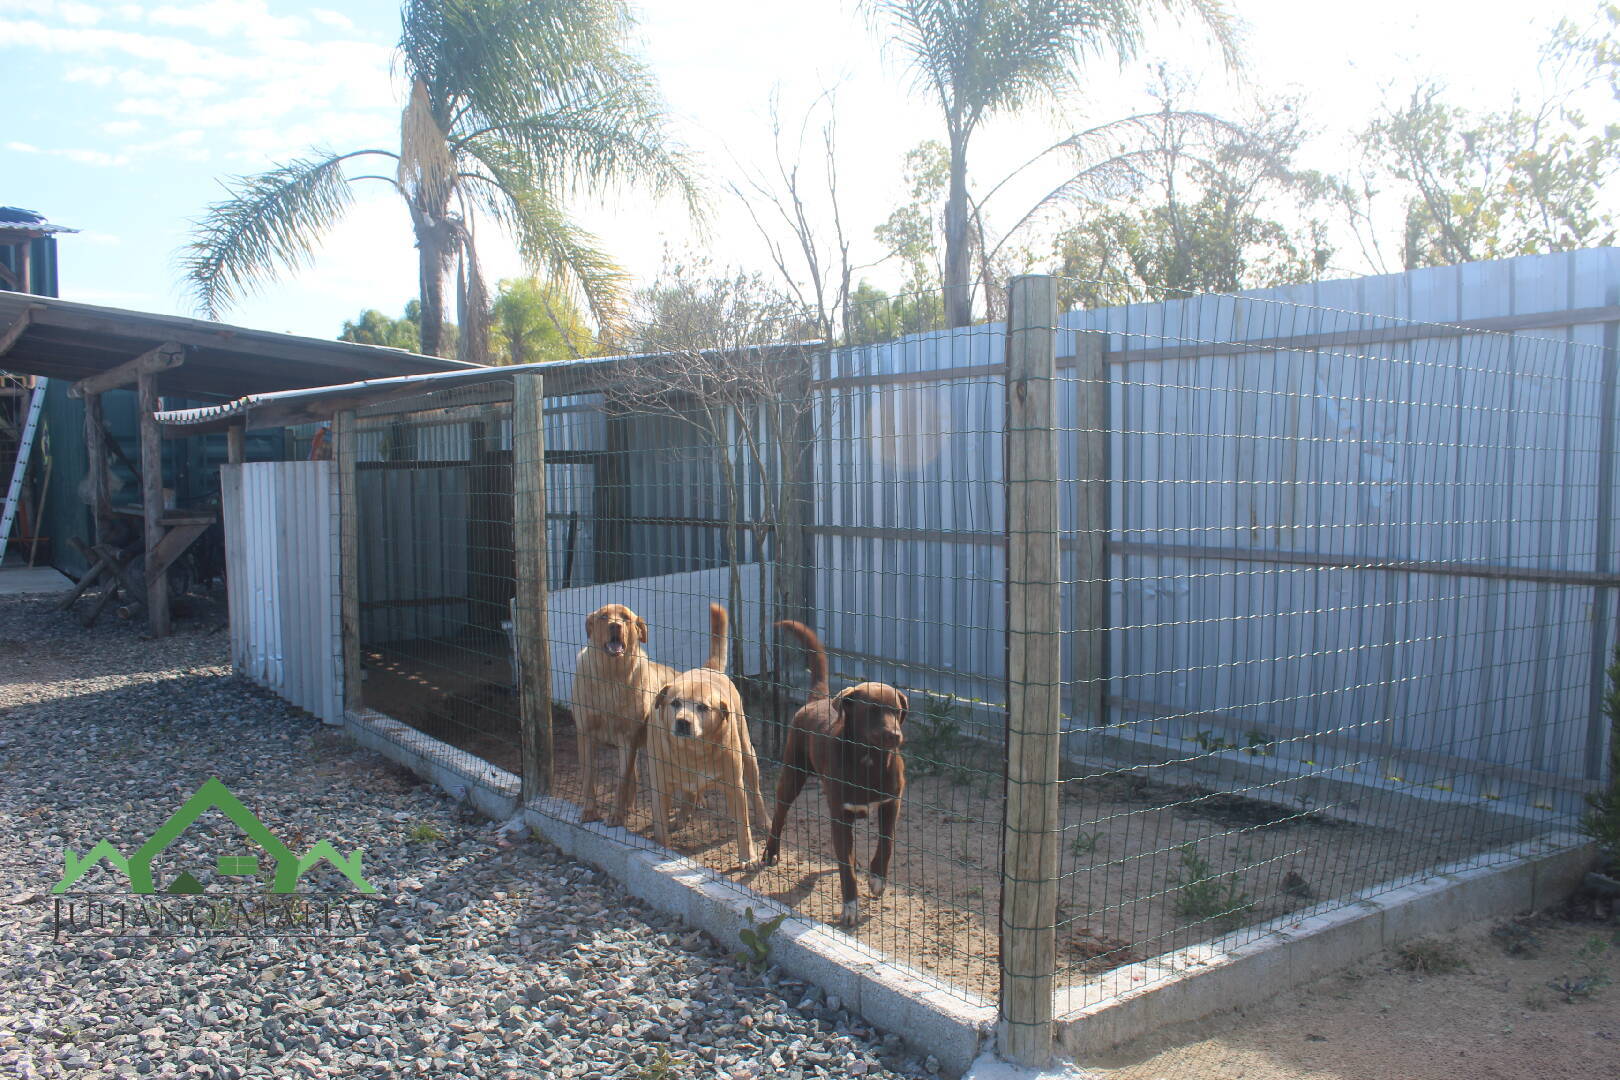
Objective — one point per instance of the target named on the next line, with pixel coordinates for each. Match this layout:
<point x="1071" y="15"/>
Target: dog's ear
<point x="663" y="695"/>
<point x="841" y="700"/>
<point x="641" y="628"/>
<point x="590" y="628"/>
<point x="905" y="705"/>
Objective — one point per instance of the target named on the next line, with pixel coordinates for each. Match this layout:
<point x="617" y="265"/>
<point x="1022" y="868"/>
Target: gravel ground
<point x="495" y="959"/>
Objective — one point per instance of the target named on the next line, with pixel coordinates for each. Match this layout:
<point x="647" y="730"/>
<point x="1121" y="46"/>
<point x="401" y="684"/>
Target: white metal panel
<point x="281" y="571"/>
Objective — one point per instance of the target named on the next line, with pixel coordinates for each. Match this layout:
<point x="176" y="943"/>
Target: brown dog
<point x="615" y="685"/>
<point x="852" y="742"/>
<point x="697" y="740"/>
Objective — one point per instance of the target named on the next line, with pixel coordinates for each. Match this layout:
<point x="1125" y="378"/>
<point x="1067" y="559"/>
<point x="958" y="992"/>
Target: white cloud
<point x="97" y="239"/>
<point x="98" y="158"/>
<point x="332" y="18"/>
<point x="123" y="127"/>
<point x="229" y="18"/>
<point x="22" y="147"/>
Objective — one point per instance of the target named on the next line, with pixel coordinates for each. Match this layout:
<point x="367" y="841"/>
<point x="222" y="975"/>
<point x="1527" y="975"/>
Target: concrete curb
<point x="1252" y="965"/>
<point x="932" y="1016"/>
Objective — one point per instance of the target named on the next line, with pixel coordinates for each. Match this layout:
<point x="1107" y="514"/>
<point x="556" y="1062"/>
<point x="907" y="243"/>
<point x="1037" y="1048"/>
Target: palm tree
<point x="978" y="58"/>
<point x="514" y="106"/>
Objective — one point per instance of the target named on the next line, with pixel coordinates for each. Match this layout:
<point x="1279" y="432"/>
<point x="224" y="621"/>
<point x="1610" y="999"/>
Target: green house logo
<point x="213" y="795"/>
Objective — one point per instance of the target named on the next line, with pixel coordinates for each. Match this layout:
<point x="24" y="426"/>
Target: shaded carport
<point x="98" y="350"/>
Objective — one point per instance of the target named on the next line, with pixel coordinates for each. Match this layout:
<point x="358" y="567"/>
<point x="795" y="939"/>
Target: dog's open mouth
<point x="615" y="648"/>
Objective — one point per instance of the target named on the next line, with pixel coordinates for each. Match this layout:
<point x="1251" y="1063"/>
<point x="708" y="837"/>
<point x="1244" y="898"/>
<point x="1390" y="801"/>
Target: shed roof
<point x="61" y="339"/>
<point x="14" y="219"/>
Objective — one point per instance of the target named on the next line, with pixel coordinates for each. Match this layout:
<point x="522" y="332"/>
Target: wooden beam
<point x="9" y="336"/>
<point x="1034" y="677"/>
<point x="236" y="443"/>
<point x="165" y="356"/>
<point x="529" y="540"/>
<point x="157" y="578"/>
<point x="95" y="446"/>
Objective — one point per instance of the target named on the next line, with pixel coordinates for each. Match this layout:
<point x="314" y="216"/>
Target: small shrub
<point x="423" y="832"/>
<point x="1602" y="819"/>
<point x="1203" y="894"/>
<point x="1430" y="956"/>
<point x="936" y="744"/>
<point x="1085" y="843"/>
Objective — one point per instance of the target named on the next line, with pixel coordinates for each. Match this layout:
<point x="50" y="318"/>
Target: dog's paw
<point x="877" y="883"/>
<point x="588" y="815"/>
<point x="851" y="914"/>
<point x="613" y="821"/>
<point x="770" y="857"/>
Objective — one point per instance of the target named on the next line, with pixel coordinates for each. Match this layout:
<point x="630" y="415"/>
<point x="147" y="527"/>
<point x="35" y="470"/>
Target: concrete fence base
<point x="1235" y="971"/>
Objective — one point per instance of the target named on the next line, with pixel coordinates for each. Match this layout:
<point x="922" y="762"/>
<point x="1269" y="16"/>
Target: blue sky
<point x="121" y="117"/>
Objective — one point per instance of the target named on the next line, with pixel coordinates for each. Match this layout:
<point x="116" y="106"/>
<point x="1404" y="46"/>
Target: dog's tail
<point x="719" y="644"/>
<point x="816" y="661"/>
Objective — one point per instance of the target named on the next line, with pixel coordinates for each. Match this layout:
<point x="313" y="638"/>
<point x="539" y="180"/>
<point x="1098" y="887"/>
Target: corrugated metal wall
<point x="281" y="545"/>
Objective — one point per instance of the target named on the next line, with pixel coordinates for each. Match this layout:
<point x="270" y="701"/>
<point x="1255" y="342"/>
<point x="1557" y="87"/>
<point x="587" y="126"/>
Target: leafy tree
<point x="534" y="322"/>
<point x="875" y="316"/>
<point x="375" y="328"/>
<point x="1220" y="208"/>
<point x="513" y="107"/>
<point x="911" y="232"/>
<point x="1484" y="185"/>
<point x="980" y="58"/>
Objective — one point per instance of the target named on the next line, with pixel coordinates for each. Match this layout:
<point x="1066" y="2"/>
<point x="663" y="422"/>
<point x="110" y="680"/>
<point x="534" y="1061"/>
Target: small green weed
<point x="1203" y="894"/>
<point x="661" y="1067"/>
<point x="1593" y="958"/>
<point x="756" y="937"/>
<point x="424" y="833"/>
<point x="1085" y="843"/>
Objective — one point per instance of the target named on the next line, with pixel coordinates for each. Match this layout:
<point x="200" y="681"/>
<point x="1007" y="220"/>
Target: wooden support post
<point x="1034" y="677"/>
<point x="346" y="439"/>
<point x="236" y="444"/>
<point x="157" y="579"/>
<point x="1089" y="654"/>
<point x="529" y="540"/>
<point x="95" y="449"/>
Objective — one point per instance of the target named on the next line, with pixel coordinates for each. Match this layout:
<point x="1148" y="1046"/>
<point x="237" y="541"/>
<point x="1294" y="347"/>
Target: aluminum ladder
<point x="20" y="470"/>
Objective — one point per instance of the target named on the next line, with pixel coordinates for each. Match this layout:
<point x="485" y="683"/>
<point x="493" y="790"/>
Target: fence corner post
<point x="1034" y="677"/>
<point x="345" y="440"/>
<point x="530" y="548"/>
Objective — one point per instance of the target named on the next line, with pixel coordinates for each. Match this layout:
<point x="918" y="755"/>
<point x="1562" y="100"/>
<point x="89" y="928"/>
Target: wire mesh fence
<point x="1329" y="602"/>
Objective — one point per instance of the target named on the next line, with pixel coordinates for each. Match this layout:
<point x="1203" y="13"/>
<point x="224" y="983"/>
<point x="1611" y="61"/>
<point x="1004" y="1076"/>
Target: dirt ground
<point x="1125" y="848"/>
<point x="1493" y="1018"/>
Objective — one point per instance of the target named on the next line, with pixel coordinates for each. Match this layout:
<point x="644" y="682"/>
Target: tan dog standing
<point x="615" y="685"/>
<point x="697" y="740"/>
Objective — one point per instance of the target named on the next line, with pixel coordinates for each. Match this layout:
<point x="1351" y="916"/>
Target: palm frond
<point x="551" y="244"/>
<point x="613" y="141"/>
<point x="275" y="218"/>
<point x="426" y="166"/>
<point x="980" y="57"/>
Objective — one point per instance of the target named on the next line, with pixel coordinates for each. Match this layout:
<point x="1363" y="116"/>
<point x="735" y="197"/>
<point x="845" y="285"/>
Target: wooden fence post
<point x="1034" y="676"/>
<point x="157" y="581"/>
<point x="346" y="440"/>
<point x="530" y="546"/>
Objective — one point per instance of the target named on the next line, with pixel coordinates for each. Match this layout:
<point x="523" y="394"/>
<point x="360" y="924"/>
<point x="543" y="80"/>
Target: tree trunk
<point x="958" y="246"/>
<point x="433" y="251"/>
